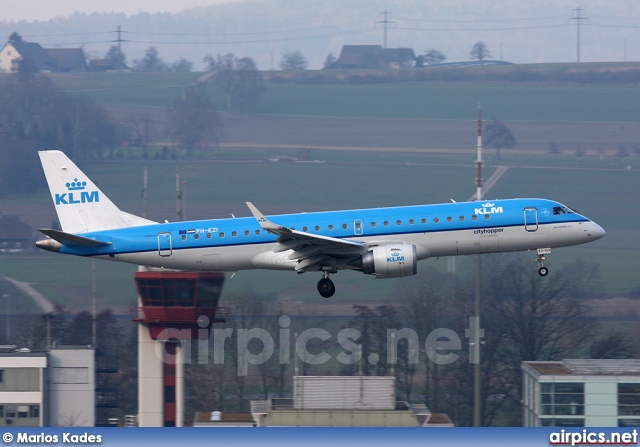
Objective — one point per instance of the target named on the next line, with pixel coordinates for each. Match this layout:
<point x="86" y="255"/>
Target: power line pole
<point x="119" y="41"/>
<point x="385" y="23"/>
<point x="578" y="18"/>
<point x="477" y="394"/>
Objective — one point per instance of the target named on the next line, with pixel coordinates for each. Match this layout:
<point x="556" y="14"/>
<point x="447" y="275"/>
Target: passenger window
<point x="449" y="219"/>
<point x="436" y="220"/>
<point x="345" y="226"/>
<point x="330" y="227"/>
<point x="222" y="234"/>
<point x="305" y="229"/>
<point x="208" y="235"/>
<point x="411" y="221"/>
<point x="234" y="233"/>
<point x="246" y="232"/>
<point x="424" y="221"/>
<point x="487" y="216"/>
<point x="184" y="237"/>
<point x="258" y="232"/>
<point x="373" y="224"/>
<point x="317" y="227"/>
<point x="474" y="217"/>
<point x="398" y="222"/>
<point x="461" y="218"/>
<point x="196" y="236"/>
<point x="386" y="223"/>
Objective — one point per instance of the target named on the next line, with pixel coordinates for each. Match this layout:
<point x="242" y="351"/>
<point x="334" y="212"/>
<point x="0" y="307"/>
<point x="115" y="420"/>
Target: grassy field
<point x="396" y="116"/>
<point x="432" y="100"/>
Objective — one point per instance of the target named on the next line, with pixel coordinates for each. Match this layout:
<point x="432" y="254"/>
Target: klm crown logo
<point x="76" y="185"/>
<point x="76" y="194"/>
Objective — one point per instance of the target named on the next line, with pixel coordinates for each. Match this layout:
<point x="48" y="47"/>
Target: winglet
<point x="265" y="223"/>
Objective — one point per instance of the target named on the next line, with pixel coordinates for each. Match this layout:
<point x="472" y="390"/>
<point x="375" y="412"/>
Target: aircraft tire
<point x="326" y="288"/>
<point x="543" y="271"/>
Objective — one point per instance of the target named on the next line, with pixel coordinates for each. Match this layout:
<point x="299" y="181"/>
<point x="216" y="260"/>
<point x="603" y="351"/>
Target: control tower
<point x="176" y="311"/>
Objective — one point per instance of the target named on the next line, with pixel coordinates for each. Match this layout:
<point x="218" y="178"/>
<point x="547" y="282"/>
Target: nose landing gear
<point x="542" y="270"/>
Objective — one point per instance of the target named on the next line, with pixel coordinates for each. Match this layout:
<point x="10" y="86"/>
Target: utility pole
<point x="578" y="18"/>
<point x="385" y="23"/>
<point x="178" y="197"/>
<point x="119" y="41"/>
<point x="477" y="395"/>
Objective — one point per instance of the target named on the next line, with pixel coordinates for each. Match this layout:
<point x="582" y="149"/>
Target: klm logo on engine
<point x="488" y="208"/>
<point x="395" y="257"/>
<point x="76" y="194"/>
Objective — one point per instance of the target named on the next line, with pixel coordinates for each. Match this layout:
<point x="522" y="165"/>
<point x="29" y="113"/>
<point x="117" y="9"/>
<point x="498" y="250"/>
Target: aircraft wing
<point x="312" y="251"/>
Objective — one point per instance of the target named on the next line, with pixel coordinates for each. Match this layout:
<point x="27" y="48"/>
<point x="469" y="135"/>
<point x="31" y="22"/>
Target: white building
<point x="581" y="393"/>
<point x="22" y="385"/>
<point x="55" y="388"/>
<point x="344" y="401"/>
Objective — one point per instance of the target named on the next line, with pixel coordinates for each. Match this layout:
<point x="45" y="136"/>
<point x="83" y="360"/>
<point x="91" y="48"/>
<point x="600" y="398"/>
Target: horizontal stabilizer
<point x="71" y="240"/>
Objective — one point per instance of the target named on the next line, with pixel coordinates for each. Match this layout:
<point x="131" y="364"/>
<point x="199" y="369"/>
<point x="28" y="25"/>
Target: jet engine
<point x="391" y="261"/>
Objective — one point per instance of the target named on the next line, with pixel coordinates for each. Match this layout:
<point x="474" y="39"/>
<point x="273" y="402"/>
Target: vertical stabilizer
<point x="79" y="203"/>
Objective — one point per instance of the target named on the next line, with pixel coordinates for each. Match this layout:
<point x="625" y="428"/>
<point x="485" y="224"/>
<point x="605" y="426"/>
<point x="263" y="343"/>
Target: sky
<point x="48" y="9"/>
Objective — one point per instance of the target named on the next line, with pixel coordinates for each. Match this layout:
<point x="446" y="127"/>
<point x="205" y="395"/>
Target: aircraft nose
<point x="596" y="231"/>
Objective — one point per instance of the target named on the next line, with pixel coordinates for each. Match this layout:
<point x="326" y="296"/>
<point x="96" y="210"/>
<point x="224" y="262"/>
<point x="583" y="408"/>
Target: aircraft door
<point x="164" y="244"/>
<point x="358" y="230"/>
<point x="531" y="219"/>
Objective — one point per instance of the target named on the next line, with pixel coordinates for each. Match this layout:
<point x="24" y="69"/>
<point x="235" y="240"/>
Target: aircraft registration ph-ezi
<point x="383" y="242"/>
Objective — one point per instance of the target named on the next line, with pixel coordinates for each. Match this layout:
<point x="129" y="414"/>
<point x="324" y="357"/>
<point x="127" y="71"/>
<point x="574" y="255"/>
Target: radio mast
<point x="479" y="160"/>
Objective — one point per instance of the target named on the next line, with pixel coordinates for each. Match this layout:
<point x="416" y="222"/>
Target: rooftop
<point x="582" y="367"/>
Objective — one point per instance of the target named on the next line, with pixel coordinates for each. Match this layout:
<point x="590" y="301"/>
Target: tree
<point x="433" y="56"/>
<point x="293" y="60"/>
<point x="182" y="65"/>
<point x="498" y="136"/>
<point x="237" y="78"/>
<point x="331" y="59"/>
<point x="150" y="62"/>
<point x="194" y="119"/>
<point x="116" y="56"/>
<point x="480" y="51"/>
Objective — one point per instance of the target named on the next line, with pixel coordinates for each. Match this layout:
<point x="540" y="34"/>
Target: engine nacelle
<point x="391" y="261"/>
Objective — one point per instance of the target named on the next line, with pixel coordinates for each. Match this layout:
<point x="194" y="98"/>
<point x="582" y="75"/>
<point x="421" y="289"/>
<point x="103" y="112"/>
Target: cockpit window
<point x="563" y="210"/>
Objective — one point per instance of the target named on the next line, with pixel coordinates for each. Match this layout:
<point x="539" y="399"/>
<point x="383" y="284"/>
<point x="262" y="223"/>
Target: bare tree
<point x="293" y="60"/>
<point x="433" y="56"/>
<point x="237" y="78"/>
<point x="330" y="60"/>
<point x="194" y="119"/>
<point x="150" y="62"/>
<point x="480" y="51"/>
<point x="498" y="136"/>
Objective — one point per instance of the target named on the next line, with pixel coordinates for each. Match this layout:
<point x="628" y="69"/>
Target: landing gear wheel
<point x="326" y="288"/>
<point x="543" y="271"/>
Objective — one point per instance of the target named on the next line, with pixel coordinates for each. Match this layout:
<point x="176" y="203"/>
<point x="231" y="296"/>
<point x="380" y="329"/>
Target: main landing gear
<point x="542" y="270"/>
<point x="326" y="286"/>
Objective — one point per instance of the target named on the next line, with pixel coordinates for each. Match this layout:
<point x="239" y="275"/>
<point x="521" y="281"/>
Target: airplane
<point x="382" y="242"/>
